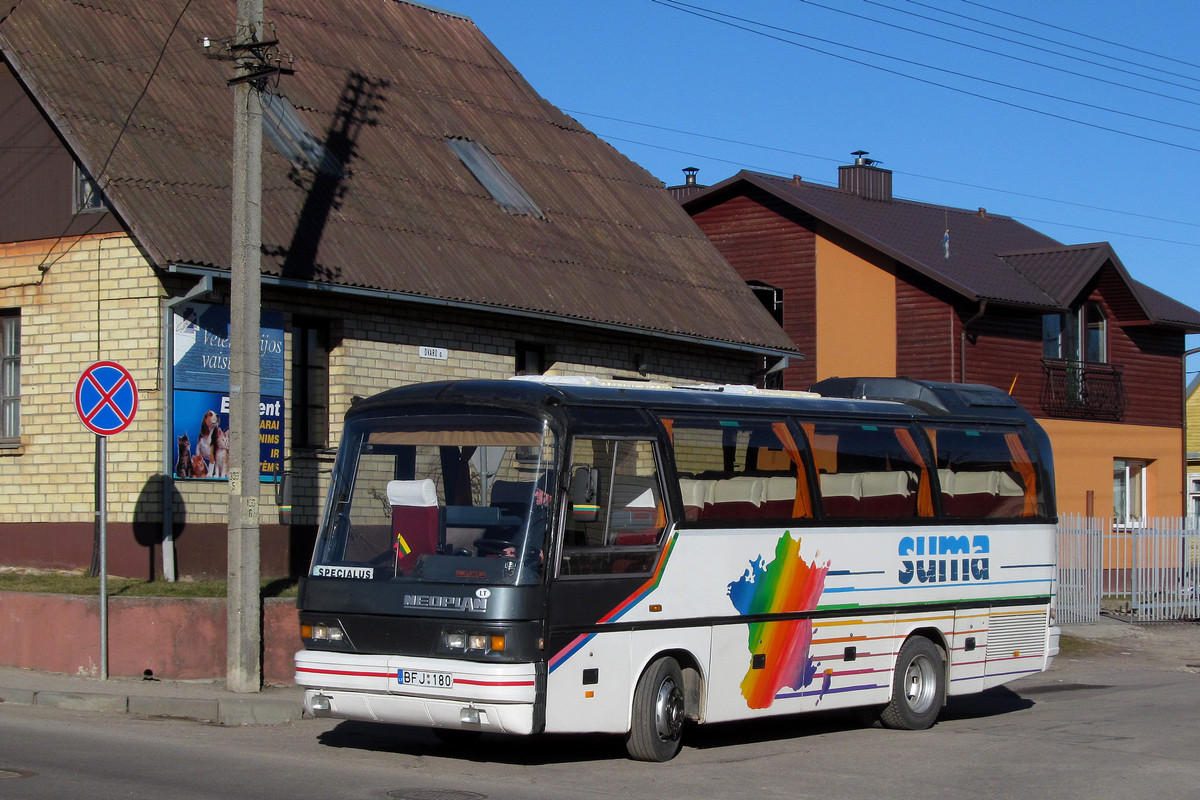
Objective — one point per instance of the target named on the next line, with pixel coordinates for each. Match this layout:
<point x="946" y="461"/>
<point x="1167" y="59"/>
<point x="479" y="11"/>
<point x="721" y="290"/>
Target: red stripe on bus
<point x="351" y="673"/>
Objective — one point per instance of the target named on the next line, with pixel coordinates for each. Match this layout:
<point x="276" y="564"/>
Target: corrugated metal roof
<point x="991" y="257"/>
<point x="383" y="84"/>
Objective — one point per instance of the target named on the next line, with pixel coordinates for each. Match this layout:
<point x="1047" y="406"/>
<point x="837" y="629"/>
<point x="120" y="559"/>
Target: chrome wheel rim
<point x="668" y="710"/>
<point x="920" y="683"/>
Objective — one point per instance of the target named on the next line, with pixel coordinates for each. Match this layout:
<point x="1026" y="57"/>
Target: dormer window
<point x="1080" y="335"/>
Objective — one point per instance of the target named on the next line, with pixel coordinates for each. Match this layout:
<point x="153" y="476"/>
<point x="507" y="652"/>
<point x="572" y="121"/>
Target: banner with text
<point x="201" y="397"/>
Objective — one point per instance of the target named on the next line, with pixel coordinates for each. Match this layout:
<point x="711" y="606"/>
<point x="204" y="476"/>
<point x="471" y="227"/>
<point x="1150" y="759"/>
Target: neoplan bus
<point x="576" y="555"/>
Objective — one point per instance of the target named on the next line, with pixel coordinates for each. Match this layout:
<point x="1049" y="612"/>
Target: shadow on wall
<point x="148" y="521"/>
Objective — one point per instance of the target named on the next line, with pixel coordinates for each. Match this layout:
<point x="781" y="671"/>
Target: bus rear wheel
<point x="658" y="712"/>
<point x="918" y="686"/>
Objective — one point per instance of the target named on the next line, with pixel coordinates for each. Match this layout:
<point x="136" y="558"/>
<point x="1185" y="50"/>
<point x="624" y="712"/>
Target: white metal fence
<point x="1149" y="572"/>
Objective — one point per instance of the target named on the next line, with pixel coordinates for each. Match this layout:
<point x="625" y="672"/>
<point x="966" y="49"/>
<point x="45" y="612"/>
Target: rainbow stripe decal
<point x="787" y="584"/>
<point x="646" y="588"/>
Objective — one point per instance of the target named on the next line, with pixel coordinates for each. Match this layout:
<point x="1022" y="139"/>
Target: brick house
<point x="425" y="214"/>
<point x="866" y="284"/>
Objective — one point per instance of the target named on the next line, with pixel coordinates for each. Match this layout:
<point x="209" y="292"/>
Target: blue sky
<point x="1083" y="120"/>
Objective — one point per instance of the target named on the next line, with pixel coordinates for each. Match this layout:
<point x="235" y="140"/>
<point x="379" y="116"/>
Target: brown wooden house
<point x="866" y="284"/>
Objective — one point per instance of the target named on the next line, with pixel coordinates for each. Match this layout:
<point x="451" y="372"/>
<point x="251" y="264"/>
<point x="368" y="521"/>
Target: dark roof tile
<point x="383" y="84"/>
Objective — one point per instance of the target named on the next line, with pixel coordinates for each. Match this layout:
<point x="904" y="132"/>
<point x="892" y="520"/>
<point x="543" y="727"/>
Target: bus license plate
<point x="420" y="677"/>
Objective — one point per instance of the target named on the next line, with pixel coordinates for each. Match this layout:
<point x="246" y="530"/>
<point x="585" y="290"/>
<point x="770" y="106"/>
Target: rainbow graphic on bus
<point x="779" y="651"/>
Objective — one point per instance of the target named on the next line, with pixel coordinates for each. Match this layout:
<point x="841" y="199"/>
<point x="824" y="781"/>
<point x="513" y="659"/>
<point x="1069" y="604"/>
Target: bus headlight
<point x="473" y="643"/>
<point x="322" y="632"/>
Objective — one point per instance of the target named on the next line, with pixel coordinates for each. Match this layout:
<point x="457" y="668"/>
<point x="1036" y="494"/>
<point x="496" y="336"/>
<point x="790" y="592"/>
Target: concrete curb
<point x="222" y="711"/>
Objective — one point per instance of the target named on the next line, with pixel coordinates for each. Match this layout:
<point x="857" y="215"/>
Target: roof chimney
<point x="690" y="175"/>
<point x="865" y="179"/>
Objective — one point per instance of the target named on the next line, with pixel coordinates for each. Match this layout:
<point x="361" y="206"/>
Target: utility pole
<point x="243" y="666"/>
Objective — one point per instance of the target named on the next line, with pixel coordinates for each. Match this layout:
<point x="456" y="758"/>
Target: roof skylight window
<point x="502" y="186"/>
<point x="292" y="138"/>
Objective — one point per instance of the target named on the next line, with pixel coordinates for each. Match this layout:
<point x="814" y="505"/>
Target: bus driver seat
<point x="415" y="520"/>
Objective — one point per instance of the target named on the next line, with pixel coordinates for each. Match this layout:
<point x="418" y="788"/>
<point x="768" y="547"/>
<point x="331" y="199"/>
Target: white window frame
<point x="1129" y="507"/>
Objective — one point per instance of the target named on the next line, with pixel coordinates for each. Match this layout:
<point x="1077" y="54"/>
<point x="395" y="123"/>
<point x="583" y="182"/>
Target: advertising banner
<point x="201" y="423"/>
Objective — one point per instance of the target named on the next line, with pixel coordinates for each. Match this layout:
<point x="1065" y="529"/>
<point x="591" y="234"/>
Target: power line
<point x="43" y="267"/>
<point x="1035" y="47"/>
<point x="1009" y="56"/>
<point x="704" y="13"/>
<point x="1085" y="36"/>
<point x="785" y="151"/>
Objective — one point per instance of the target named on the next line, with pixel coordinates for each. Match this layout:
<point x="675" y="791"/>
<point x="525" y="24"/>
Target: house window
<point x="531" y="359"/>
<point x="770" y="297"/>
<point x="10" y="377"/>
<point x="1095" y="334"/>
<point x="310" y="384"/>
<point x="1080" y="335"/>
<point x="1129" y="491"/>
<point x="87" y="195"/>
<point x="1194" y="497"/>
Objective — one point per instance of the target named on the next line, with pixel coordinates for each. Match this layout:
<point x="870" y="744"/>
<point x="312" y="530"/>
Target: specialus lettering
<point x="360" y="573"/>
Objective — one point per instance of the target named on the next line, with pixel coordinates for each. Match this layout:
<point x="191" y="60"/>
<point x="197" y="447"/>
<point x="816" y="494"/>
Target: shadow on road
<point x="572" y="748"/>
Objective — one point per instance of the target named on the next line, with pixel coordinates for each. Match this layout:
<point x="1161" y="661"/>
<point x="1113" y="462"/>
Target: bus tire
<point x="658" y="712"/>
<point x="918" y="686"/>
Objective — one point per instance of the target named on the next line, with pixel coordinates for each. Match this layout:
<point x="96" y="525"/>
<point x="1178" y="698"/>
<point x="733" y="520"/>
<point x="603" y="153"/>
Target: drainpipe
<point x="962" y="341"/>
<point x="167" y="348"/>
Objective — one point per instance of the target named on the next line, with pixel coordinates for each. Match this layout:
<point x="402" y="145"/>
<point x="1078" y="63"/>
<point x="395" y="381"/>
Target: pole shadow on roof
<point x="322" y="170"/>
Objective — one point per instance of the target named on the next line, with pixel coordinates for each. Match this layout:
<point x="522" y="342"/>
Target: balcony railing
<point x="1081" y="390"/>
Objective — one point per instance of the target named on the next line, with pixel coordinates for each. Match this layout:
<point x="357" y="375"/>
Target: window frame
<point x="663" y="508"/>
<point x="1068" y="335"/>
<point x="306" y="434"/>
<point x="1133" y="474"/>
<point x="10" y="359"/>
<point x="86" y="197"/>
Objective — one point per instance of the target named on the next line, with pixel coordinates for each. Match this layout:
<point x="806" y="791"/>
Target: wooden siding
<point x="37" y="174"/>
<point x="928" y="328"/>
<point x="768" y="241"/>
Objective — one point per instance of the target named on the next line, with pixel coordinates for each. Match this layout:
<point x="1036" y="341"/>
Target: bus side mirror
<point x="585" y="487"/>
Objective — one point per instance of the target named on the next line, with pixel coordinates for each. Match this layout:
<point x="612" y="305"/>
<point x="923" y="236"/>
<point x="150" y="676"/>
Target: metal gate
<point x="1148" y="572"/>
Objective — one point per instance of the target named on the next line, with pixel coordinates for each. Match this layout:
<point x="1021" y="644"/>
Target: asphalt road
<point x="1113" y="719"/>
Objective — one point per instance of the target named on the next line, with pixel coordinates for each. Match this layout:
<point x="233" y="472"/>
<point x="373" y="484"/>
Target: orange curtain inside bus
<point x="1024" y="468"/>
<point x="924" y="491"/>
<point x="802" y="506"/>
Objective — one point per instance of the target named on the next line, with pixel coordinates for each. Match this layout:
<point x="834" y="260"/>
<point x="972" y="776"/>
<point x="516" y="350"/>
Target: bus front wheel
<point x="918" y="686"/>
<point x="658" y="712"/>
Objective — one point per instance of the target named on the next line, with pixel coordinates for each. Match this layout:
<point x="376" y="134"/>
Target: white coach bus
<point x="575" y="555"/>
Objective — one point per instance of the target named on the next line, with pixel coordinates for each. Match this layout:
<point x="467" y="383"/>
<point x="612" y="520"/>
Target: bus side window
<point x="616" y="516"/>
<point x="985" y="474"/>
<point x="870" y="471"/>
<point x="736" y="469"/>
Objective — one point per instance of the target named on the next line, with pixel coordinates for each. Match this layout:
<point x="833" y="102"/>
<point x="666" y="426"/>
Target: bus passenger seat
<point x="415" y="520"/>
<point x="840" y="493"/>
<point x="888" y="494"/>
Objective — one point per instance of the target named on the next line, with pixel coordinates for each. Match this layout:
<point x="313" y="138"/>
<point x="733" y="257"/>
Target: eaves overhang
<point x="467" y="305"/>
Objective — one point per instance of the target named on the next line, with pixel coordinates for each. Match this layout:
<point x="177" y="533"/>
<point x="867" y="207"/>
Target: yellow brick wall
<point x="81" y="300"/>
<point x="97" y="298"/>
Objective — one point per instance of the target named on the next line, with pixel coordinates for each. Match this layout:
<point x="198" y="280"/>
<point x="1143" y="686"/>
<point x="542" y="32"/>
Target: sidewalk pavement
<point x="203" y="701"/>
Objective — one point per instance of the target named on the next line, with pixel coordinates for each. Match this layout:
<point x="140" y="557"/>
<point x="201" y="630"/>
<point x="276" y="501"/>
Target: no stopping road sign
<point x="106" y="398"/>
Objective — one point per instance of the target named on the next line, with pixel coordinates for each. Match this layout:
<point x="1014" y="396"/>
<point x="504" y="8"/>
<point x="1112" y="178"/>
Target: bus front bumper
<point x="438" y="693"/>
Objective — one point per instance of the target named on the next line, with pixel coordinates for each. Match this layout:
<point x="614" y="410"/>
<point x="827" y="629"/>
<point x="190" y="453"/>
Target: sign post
<point x="106" y="400"/>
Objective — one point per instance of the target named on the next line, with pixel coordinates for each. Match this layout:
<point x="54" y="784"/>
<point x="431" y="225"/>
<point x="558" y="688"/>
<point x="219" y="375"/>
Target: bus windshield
<point x="437" y="499"/>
